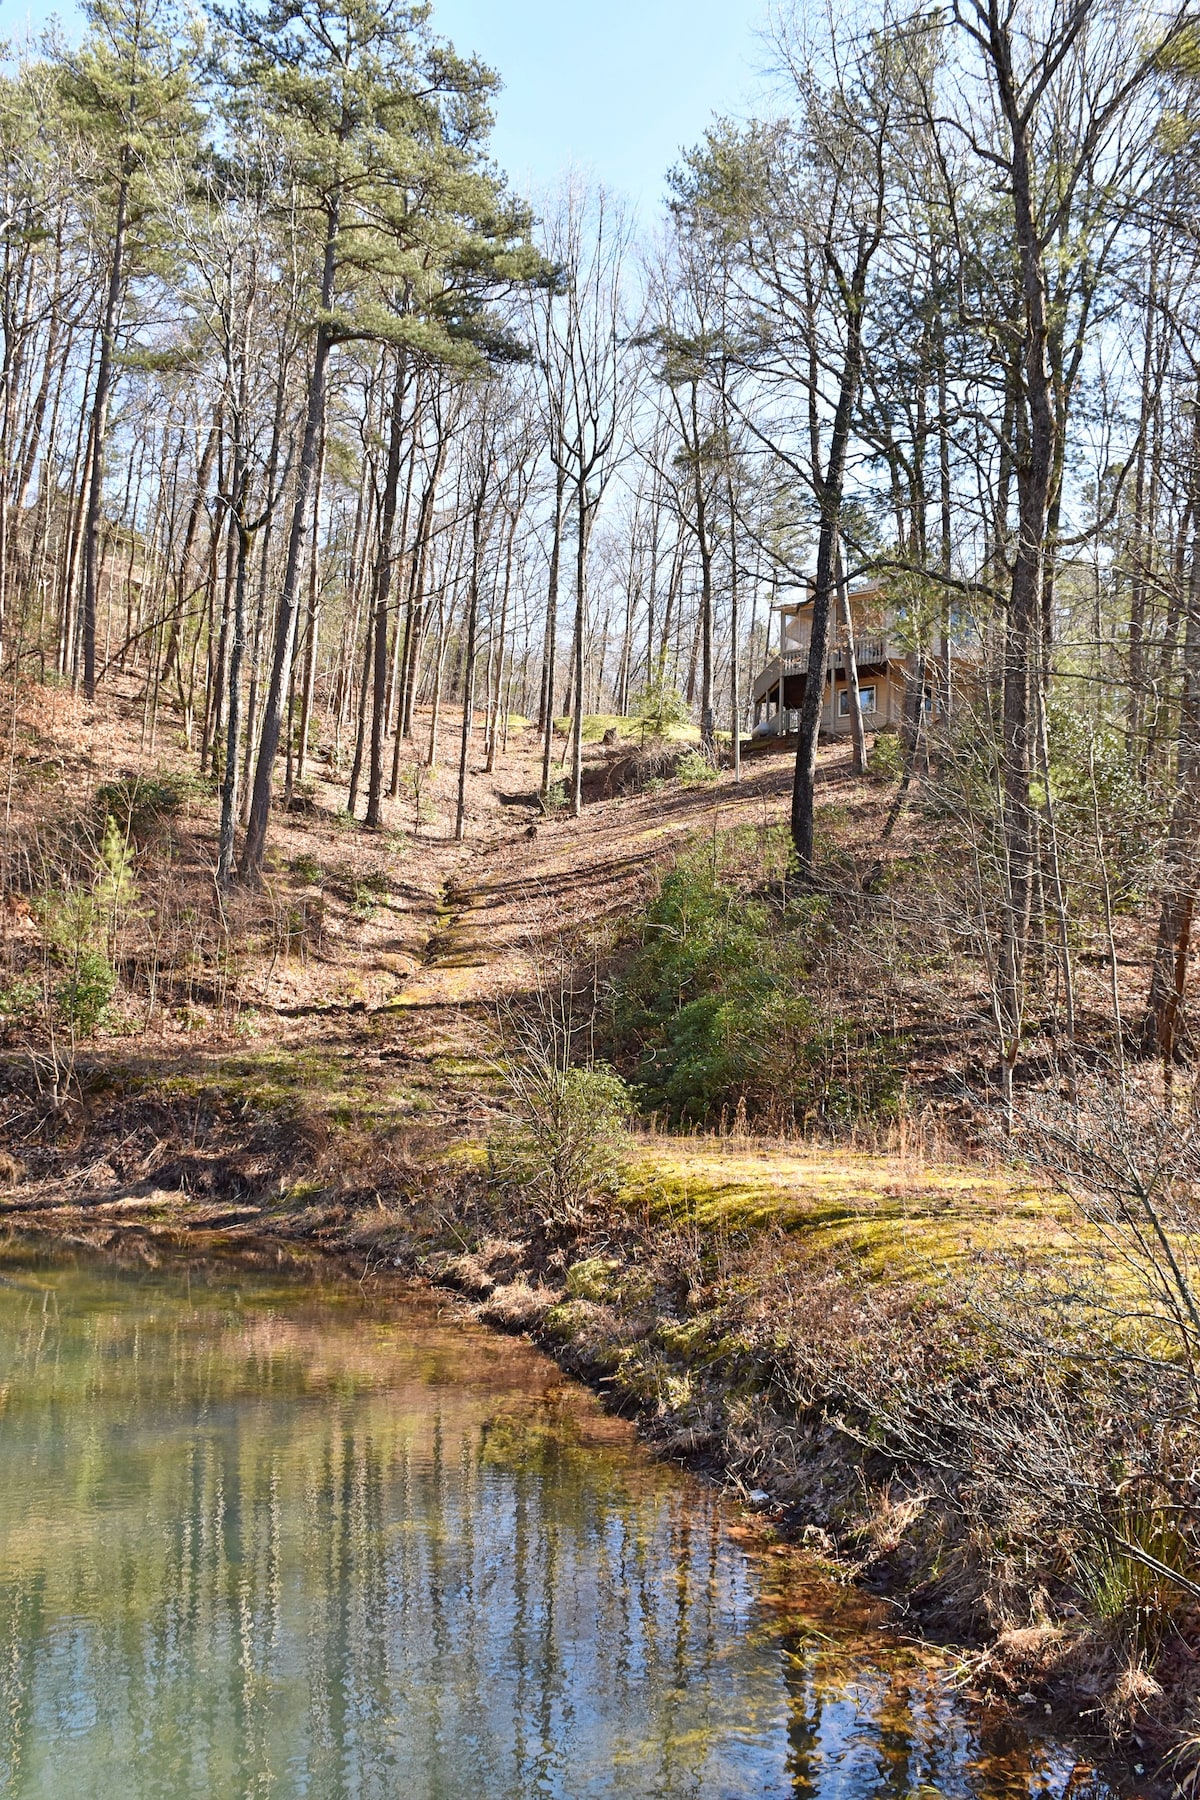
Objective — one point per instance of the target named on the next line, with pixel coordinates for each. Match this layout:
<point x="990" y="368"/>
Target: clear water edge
<point x="264" y="1533"/>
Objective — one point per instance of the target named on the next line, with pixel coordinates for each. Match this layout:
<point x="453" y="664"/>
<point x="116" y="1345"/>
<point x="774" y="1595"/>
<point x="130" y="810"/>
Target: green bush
<point x="1094" y="777"/>
<point x="562" y="1149"/>
<point x="83" y="998"/>
<point x="21" y="1000"/>
<point x="76" y="925"/>
<point x="140" y="805"/>
<point x="694" y="769"/>
<point x="114" y="889"/>
<point x="659" y="708"/>
<point x="709" y="1002"/>
<point x="80" y="925"/>
<point x="368" y="895"/>
<point x="886" y="761"/>
<point x="710" y="1014"/>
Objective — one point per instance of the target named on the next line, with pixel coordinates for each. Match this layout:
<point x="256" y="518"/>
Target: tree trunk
<point x="804" y="783"/>
<point x="312" y="646"/>
<point x="460" y="813"/>
<point x="254" y="848"/>
<point x="858" y="732"/>
<point x="383" y="587"/>
<point x="1164" y="1026"/>
<point x="415" y="624"/>
<point x="549" y="651"/>
<point x="1141" y="538"/>
<point x="735" y="654"/>
<point x="229" y="778"/>
<point x="586" y="513"/>
<point x="91" y="539"/>
<point x="498" y="701"/>
<point x="1035" y="464"/>
<point x="364" y="702"/>
<point x="439" y="662"/>
<point x="708" y="719"/>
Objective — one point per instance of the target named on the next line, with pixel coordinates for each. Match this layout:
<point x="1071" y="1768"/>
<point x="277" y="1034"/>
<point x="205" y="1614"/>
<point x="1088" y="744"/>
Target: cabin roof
<point x="861" y="590"/>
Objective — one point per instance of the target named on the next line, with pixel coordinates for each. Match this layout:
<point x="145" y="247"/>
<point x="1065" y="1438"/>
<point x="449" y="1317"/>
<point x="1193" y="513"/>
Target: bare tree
<point x="581" y="345"/>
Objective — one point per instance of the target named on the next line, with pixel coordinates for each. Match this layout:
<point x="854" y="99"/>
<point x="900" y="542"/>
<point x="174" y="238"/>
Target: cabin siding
<point x="886" y="669"/>
<point x="887" y="684"/>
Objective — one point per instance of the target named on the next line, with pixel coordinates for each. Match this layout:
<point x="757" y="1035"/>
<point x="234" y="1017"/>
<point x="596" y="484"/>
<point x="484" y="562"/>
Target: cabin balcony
<point x="869" y="652"/>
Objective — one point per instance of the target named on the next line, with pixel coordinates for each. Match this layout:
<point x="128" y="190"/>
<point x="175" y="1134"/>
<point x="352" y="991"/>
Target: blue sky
<point x="616" y="87"/>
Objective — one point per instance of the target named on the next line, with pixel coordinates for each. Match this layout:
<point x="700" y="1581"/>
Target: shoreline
<point x="583" y="1321"/>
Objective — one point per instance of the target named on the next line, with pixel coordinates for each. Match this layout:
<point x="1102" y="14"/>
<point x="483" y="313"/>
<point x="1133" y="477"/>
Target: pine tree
<point x="385" y="129"/>
<point x="130" y="87"/>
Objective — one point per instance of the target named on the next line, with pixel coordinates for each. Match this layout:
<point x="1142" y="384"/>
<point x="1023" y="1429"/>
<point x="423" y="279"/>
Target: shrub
<point x="21" y="1000"/>
<point x="709" y="1003"/>
<point x="694" y="769"/>
<point x="83" y="998"/>
<point x="710" y="1011"/>
<point x="80" y="926"/>
<point x="886" y="762"/>
<point x="561" y="1151"/>
<point x="114" y="889"/>
<point x="139" y="805"/>
<point x="1096" y="784"/>
<point x="659" y="708"/>
<point x="75" y="932"/>
<point x="415" y="779"/>
<point x="367" y="895"/>
<point x="295" y="925"/>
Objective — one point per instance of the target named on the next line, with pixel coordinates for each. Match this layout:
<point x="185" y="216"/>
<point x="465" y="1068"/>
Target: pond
<point x="263" y="1532"/>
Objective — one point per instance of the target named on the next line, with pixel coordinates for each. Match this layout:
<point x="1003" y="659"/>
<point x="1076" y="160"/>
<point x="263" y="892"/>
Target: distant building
<point x="887" y="667"/>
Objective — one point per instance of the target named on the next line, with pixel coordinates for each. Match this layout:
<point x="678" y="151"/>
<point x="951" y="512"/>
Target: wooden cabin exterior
<point x="886" y="667"/>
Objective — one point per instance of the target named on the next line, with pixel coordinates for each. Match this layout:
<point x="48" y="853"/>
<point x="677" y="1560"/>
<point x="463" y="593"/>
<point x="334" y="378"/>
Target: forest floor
<point x="369" y="978"/>
<point x="323" y="1062"/>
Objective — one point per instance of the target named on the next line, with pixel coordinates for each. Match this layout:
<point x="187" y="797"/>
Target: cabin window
<point x="866" y="701"/>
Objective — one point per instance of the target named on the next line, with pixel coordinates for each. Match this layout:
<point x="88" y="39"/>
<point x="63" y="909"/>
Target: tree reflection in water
<point x="261" y="1538"/>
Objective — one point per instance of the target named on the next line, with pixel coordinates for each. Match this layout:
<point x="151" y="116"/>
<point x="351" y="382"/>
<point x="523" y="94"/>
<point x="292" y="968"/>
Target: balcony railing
<point x="795" y="662"/>
<point x="868" y="651"/>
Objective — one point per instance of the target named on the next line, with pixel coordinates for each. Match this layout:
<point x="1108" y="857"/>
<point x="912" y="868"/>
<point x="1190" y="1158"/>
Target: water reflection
<point x="261" y="1540"/>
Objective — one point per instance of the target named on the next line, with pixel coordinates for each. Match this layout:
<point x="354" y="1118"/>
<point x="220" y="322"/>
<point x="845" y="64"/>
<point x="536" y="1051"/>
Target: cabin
<point x="887" y="667"/>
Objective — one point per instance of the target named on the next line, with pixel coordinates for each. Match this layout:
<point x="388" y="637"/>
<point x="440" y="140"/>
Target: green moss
<point x="595" y="725"/>
<point x="894" y="1223"/>
<point x="312" y="1081"/>
<point x="464" y="1068"/>
<point x="562" y="1322"/>
<point x="301" y="1193"/>
<point x="464" y="1153"/>
<point x="593" y="1278"/>
<point x="694" y="1338"/>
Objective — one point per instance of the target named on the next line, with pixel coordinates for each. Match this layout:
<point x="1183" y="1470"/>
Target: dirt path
<point x="367" y="972"/>
<point x="466" y="923"/>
